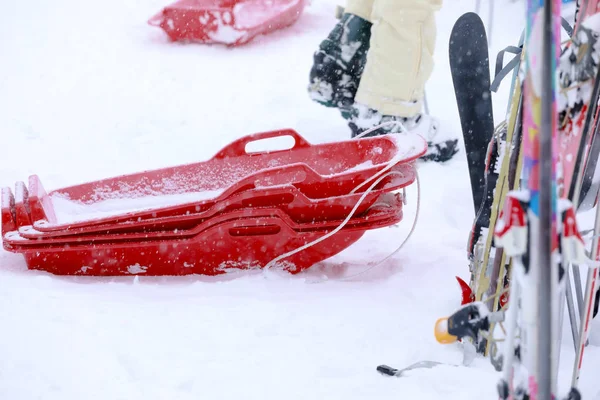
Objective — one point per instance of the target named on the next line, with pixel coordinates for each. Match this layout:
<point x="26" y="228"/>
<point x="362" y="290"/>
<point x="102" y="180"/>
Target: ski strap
<point x="566" y="26"/>
<point x="502" y="71"/>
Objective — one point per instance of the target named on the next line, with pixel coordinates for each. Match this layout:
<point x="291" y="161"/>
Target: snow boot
<point x="339" y="62"/>
<point x="361" y="118"/>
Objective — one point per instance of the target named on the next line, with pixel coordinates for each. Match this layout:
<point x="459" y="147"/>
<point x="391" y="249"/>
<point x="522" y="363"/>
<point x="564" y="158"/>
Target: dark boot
<point x="361" y="118"/>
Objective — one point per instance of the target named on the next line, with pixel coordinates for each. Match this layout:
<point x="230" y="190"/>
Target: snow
<point x="252" y="13"/>
<point x="225" y="33"/>
<point x="91" y="91"/>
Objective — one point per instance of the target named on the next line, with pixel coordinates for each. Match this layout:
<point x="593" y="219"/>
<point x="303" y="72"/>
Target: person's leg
<point x="340" y="59"/>
<point x="387" y="57"/>
<point x="360" y="8"/>
<point x="400" y="58"/>
<point x="399" y="64"/>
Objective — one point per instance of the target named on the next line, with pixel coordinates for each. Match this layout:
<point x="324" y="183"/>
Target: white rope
<point x="391" y="164"/>
<point x="412" y="229"/>
<point x="337" y="229"/>
<point x="378" y="178"/>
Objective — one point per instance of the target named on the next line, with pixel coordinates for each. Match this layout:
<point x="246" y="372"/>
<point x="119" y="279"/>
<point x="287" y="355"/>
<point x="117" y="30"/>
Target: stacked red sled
<point x="238" y="210"/>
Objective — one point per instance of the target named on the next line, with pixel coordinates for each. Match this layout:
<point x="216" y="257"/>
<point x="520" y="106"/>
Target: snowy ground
<point x="89" y="90"/>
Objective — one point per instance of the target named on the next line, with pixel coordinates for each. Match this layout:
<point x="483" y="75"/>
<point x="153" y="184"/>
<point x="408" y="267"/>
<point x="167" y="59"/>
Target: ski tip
<point x="467" y="293"/>
<point x="441" y="332"/>
<point x="467" y="24"/>
<point x="471" y="16"/>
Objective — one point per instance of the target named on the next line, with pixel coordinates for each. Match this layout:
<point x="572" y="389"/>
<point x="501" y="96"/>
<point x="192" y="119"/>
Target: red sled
<point x="229" y="22"/>
<point x="287" y="198"/>
<point x="389" y="206"/>
<point x="241" y="209"/>
<point x="319" y="171"/>
<point x="223" y="244"/>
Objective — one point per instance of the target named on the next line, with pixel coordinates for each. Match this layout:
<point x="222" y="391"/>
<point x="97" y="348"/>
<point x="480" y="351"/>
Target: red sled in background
<point x="229" y="22"/>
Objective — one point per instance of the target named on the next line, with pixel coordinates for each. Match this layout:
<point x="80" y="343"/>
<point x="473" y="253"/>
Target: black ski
<point x="469" y="64"/>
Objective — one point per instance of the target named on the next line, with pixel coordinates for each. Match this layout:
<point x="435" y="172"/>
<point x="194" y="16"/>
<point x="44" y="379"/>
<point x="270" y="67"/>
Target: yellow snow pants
<point x="400" y="57"/>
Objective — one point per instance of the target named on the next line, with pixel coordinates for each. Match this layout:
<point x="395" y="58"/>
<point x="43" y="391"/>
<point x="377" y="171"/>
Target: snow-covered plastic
<point x="222" y="245"/>
<point x="228" y="22"/>
<point x="239" y="209"/>
<point x="389" y="205"/>
<point x="288" y="198"/>
<point x="319" y="171"/>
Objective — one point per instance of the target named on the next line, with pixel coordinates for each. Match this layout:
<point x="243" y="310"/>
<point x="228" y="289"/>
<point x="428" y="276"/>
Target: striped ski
<point x="527" y="229"/>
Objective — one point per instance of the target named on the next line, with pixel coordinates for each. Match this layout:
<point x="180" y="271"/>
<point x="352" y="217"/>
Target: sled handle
<point x="238" y="147"/>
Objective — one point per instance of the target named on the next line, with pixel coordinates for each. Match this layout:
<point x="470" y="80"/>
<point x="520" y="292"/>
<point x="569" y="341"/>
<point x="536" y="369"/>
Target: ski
<point x="493" y="174"/>
<point x="590" y="304"/>
<point x="527" y="231"/>
<point x="501" y="169"/>
<point x="489" y="265"/>
<point x="585" y="187"/>
<point x="580" y="85"/>
<point x="550" y="158"/>
<point x="469" y="66"/>
<point x="535" y="265"/>
<point x="579" y="148"/>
